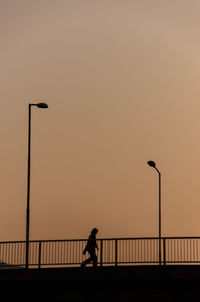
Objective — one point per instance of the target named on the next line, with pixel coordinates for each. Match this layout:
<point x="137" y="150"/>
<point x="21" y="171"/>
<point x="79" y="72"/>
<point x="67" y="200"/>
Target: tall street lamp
<point x="153" y="165"/>
<point x="42" y="106"/>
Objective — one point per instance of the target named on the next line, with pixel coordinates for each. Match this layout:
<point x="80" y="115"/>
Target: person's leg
<point x="94" y="259"/>
<point x="84" y="263"/>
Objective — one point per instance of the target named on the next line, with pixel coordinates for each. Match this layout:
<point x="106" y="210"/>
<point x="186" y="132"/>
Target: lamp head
<point x="42" y="105"/>
<point x="151" y="163"/>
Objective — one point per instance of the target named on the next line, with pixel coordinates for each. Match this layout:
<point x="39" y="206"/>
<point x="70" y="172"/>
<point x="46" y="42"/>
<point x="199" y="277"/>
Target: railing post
<point x="101" y="252"/>
<point x="27" y="254"/>
<point x="39" y="254"/>
<point x="116" y="252"/>
<point x="164" y="251"/>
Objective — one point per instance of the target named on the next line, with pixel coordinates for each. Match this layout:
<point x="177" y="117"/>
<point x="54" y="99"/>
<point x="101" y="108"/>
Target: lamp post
<point x="153" y="165"/>
<point x="42" y="106"/>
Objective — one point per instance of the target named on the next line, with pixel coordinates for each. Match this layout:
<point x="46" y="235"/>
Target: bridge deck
<point x="117" y="284"/>
<point x="150" y="272"/>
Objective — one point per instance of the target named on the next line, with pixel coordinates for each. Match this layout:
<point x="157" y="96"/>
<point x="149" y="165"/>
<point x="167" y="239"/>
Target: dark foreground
<point x="127" y="283"/>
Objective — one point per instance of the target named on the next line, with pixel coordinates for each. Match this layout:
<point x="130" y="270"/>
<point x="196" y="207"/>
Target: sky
<point x="121" y="79"/>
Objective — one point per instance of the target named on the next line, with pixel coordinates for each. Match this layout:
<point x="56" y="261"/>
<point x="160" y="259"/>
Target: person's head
<point x="94" y="231"/>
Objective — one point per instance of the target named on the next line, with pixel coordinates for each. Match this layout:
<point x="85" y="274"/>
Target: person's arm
<point x="85" y="250"/>
<point x="86" y="247"/>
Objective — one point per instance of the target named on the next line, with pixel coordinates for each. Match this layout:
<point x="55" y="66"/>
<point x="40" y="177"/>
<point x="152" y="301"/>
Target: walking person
<point x="91" y="247"/>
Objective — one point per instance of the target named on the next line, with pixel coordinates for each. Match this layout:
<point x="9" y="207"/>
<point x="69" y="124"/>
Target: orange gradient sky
<point x="121" y="79"/>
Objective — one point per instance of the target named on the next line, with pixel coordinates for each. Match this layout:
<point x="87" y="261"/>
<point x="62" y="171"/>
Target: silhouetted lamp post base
<point x="153" y="165"/>
<point x="42" y="106"/>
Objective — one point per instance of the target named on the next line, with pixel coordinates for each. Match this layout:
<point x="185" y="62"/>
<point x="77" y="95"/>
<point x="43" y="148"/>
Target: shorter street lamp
<point x="153" y="165"/>
<point x="41" y="106"/>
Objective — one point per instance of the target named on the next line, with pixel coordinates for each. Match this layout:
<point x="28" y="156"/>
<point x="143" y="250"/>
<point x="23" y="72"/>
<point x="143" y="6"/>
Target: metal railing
<point x="112" y="251"/>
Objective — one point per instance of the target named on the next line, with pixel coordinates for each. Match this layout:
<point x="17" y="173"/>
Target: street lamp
<point x="42" y="106"/>
<point x="153" y="165"/>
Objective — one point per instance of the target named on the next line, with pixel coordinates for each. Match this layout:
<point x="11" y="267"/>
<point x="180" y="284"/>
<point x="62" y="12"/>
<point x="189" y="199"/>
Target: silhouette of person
<point x="90" y="248"/>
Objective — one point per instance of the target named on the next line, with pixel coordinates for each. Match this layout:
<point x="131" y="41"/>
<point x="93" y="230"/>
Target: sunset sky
<point x="121" y="79"/>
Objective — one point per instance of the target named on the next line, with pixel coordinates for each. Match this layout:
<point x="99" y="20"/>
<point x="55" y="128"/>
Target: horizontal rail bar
<point x="114" y="238"/>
